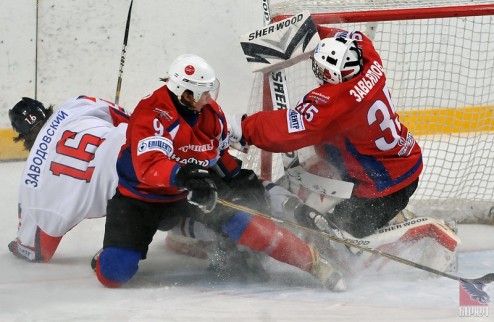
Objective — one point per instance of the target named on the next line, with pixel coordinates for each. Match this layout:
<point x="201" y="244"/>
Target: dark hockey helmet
<point x="26" y="114"/>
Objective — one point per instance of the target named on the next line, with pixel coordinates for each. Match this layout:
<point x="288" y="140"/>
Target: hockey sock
<point x="46" y="246"/>
<point x="266" y="236"/>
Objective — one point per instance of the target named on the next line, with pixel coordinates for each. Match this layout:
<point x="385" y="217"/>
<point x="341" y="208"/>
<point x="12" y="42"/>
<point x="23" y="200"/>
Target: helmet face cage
<point x="336" y="60"/>
<point x="191" y="72"/>
<point x="26" y="114"/>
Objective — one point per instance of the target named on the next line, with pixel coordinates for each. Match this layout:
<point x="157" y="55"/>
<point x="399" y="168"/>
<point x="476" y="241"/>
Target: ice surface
<point x="170" y="287"/>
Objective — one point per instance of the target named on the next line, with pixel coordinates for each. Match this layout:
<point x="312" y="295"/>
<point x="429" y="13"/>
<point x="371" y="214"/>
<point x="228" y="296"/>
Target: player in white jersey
<point x="70" y="171"/>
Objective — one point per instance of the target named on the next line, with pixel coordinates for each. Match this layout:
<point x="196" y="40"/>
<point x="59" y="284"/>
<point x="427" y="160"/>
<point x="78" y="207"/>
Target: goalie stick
<point x="486" y="279"/>
<point x="277" y="78"/>
<point x="122" y="56"/>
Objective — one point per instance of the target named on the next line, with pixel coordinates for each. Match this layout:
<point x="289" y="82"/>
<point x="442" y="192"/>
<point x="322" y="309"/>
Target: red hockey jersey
<point x="353" y="124"/>
<point x="160" y="140"/>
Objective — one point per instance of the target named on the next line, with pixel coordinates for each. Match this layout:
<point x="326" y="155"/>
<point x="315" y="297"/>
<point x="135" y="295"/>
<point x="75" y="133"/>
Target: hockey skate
<point x="23" y="252"/>
<point x="14" y="249"/>
<point x="330" y="277"/>
<point x="94" y="259"/>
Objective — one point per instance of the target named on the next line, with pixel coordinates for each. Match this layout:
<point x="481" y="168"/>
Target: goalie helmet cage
<point x="439" y="62"/>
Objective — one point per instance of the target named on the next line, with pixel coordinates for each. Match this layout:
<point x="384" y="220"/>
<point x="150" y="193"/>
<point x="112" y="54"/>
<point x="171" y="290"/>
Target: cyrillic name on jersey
<point x="36" y="164"/>
<point x="365" y="85"/>
<point x="197" y="148"/>
<point x="202" y="163"/>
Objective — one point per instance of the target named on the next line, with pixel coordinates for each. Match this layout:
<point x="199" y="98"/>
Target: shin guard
<point x="264" y="235"/>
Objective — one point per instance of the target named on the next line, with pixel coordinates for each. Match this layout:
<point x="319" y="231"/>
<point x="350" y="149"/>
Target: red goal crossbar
<point x="398" y="14"/>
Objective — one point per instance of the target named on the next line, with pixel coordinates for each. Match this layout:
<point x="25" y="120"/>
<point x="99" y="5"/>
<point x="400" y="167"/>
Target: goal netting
<point x="439" y="62"/>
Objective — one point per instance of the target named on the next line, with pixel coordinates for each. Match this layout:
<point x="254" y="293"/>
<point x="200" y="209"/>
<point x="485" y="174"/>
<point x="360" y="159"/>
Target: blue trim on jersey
<point x="127" y="179"/>
<point x="121" y="113"/>
<point x="224" y="134"/>
<point x="374" y="169"/>
<point x="377" y="171"/>
<point x="152" y="197"/>
<point x="191" y="118"/>
<point x="119" y="264"/>
<point x="409" y="173"/>
<point x="333" y="156"/>
<point x="236" y="226"/>
<point x="125" y="167"/>
<point x="173" y="126"/>
<point x="228" y="174"/>
<point x="173" y="177"/>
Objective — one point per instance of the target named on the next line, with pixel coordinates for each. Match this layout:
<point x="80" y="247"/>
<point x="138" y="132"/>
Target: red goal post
<point x="439" y="62"/>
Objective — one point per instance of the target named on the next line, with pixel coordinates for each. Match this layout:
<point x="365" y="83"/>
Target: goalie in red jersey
<point x="350" y="121"/>
<point x="174" y="164"/>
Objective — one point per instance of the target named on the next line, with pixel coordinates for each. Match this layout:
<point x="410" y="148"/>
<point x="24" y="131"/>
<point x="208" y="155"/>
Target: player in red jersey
<point x="351" y="121"/>
<point x="176" y="136"/>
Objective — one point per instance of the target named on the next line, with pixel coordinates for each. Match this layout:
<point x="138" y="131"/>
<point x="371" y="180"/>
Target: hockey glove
<point x="245" y="189"/>
<point x="202" y="190"/>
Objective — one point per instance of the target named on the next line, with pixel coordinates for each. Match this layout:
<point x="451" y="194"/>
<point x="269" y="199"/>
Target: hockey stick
<point x="277" y="79"/>
<point x="486" y="279"/>
<point x="122" y="56"/>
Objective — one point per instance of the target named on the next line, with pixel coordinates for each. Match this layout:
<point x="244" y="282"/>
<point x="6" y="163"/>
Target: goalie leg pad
<point x="266" y="236"/>
<point x="427" y="241"/>
<point x="116" y="266"/>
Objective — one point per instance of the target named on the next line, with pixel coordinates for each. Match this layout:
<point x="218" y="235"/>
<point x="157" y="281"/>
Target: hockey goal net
<point x="439" y="61"/>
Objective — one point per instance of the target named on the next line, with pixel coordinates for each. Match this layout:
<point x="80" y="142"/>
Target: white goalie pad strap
<point x="321" y="185"/>
<point x="281" y="44"/>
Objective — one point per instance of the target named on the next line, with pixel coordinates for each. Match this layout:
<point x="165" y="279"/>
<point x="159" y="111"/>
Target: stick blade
<point x="486" y="279"/>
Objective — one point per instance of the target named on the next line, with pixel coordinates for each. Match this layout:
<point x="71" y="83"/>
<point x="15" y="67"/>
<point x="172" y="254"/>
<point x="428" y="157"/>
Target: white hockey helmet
<point x="336" y="60"/>
<point x="193" y="73"/>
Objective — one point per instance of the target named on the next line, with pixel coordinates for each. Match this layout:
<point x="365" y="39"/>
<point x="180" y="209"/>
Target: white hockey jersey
<point x="70" y="172"/>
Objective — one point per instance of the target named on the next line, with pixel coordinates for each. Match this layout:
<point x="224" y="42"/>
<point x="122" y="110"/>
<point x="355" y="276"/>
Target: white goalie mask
<point x="193" y="73"/>
<point x="336" y="60"/>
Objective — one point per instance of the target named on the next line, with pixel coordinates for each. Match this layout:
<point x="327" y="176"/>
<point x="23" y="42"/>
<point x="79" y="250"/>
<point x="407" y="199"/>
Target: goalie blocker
<point x="281" y="44"/>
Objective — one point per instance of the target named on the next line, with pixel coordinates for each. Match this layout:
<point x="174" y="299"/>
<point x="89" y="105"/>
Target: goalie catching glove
<point x="235" y="136"/>
<point x="202" y="190"/>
